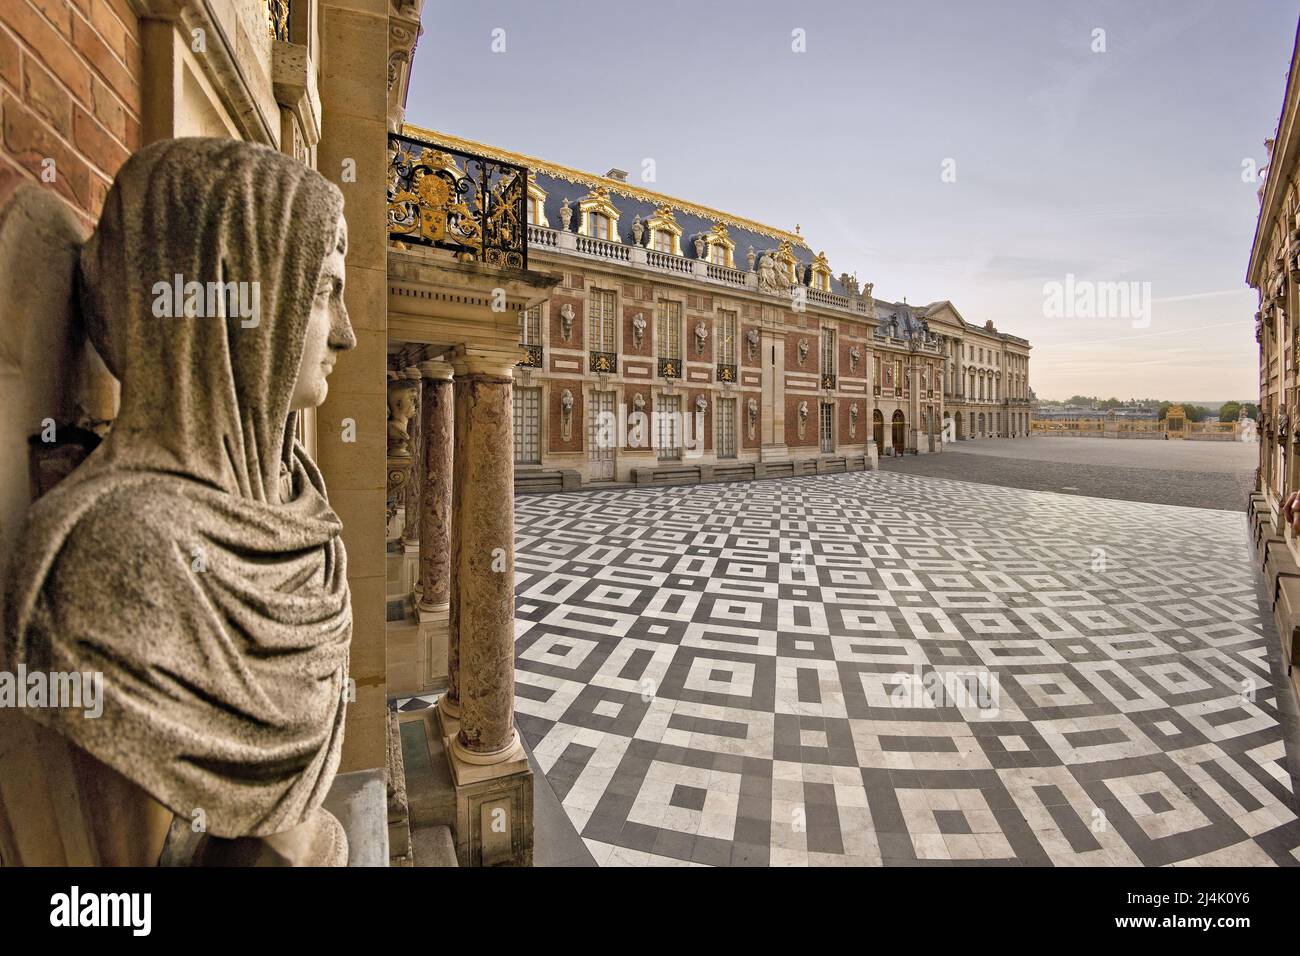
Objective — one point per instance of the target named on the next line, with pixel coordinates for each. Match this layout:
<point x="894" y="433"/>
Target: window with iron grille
<point x="827" y="427"/>
<point x="669" y="427"/>
<point x="527" y="422"/>
<point x="670" y="330"/>
<point x="726" y="408"/>
<point x="828" y="352"/>
<point x="530" y="326"/>
<point x="600" y="304"/>
<point x="727" y="338"/>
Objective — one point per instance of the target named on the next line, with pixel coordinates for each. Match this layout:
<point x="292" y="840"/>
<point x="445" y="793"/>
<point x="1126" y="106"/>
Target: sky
<point x="1079" y="173"/>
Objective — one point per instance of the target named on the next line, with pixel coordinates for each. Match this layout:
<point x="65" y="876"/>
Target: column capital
<point x="411" y="372"/>
<point x="485" y="360"/>
<point x="436" y="369"/>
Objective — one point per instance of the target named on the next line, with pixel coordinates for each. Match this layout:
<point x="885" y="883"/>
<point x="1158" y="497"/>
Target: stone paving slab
<point x="1217" y="475"/>
<point x="884" y="668"/>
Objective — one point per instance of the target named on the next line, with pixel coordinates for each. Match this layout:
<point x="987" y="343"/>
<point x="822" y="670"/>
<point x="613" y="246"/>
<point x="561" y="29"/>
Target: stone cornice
<point x="219" y="63"/>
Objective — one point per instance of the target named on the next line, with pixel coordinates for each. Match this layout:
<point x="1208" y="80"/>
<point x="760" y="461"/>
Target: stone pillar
<point x="449" y="703"/>
<point x="485" y="526"/>
<point x="437" y="428"/>
<point x="489" y="767"/>
<point x="351" y="425"/>
<point x="415" y="483"/>
<point x="772" y="359"/>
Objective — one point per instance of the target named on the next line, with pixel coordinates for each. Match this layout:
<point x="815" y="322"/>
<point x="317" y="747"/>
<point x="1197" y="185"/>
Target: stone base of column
<point x="431" y="612"/>
<point x="494" y="806"/>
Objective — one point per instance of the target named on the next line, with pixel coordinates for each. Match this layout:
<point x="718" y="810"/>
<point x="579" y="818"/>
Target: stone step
<point x="433" y="846"/>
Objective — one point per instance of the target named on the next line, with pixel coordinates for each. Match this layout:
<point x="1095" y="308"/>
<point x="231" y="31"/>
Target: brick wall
<point x="70" y="93"/>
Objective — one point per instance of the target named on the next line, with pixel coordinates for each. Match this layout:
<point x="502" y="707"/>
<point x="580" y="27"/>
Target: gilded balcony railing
<point x="277" y="19"/>
<point x="670" y="368"/>
<point x="726" y="372"/>
<point x="453" y="199"/>
<point x="532" y="356"/>
<point x="604" y="362"/>
<point x="828" y="381"/>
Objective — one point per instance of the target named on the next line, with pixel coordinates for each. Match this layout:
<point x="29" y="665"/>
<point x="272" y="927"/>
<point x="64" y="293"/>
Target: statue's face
<point x="328" y="329"/>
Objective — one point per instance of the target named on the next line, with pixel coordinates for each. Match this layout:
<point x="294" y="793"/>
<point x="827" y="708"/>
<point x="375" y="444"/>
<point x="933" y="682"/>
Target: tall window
<point x="663" y="241"/>
<point x="670" y="330"/>
<point x="828" y="352"/>
<point x="527" y="419"/>
<point x="600" y="303"/>
<point x="718" y="255"/>
<point x="670" y="427"/>
<point x="598" y="223"/>
<point x="530" y="326"/>
<point x="727" y="338"/>
<point x="726" y="409"/>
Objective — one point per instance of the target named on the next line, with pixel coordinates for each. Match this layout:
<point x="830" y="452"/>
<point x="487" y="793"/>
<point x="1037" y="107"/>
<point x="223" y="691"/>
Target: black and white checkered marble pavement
<point x="885" y="668"/>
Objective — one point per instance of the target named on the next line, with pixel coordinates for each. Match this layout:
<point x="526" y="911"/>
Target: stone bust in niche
<point x="403" y="398"/>
<point x="193" y="559"/>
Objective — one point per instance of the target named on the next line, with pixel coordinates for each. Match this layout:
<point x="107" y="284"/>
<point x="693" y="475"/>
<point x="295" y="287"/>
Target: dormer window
<point x="722" y="250"/>
<point x="665" y="234"/>
<point x="536" y="203"/>
<point x="599" y="215"/>
<point x="821" y="273"/>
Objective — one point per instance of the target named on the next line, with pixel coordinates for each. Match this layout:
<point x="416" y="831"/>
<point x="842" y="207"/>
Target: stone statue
<point x="854" y="357"/>
<point x="566" y="321"/>
<point x="749" y="257"/>
<point x="752" y="408"/>
<point x="803" y="351"/>
<point x="403" y="397"/>
<point x="193" y="559"/>
<point x="752" y="340"/>
<point x="566" y="214"/>
<point x="638" y="230"/>
<point x="699" y="248"/>
<point x="566" y="415"/>
<point x="803" y="418"/>
<point x="701" y="337"/>
<point x="853" y="420"/>
<point x="701" y="404"/>
<point x="638" y="329"/>
<point x="770" y="279"/>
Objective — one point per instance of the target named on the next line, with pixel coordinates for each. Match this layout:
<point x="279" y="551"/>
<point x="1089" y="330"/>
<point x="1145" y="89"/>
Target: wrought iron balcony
<point x="727" y="373"/>
<point x="277" y="19"/>
<point x="670" y="368"/>
<point x="875" y="390"/>
<point x="532" y="356"/>
<point x="828" y="381"/>
<point x="453" y="199"/>
<point x="604" y="362"/>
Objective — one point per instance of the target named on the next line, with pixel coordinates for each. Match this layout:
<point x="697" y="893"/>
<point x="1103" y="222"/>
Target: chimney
<point x="619" y="174"/>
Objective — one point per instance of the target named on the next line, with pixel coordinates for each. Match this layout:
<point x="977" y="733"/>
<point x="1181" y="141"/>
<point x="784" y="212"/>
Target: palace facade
<point x="683" y="344"/>
<point x="1274" y="272"/>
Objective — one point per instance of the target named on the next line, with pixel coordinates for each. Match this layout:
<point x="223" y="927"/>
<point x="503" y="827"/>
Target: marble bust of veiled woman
<point x="194" y="558"/>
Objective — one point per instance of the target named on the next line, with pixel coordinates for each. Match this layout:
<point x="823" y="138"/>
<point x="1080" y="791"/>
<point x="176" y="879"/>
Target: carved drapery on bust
<point x="194" y="559"/>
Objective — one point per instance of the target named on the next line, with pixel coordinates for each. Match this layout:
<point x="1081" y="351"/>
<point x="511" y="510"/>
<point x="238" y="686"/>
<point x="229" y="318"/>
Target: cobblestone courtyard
<point x="764" y="673"/>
